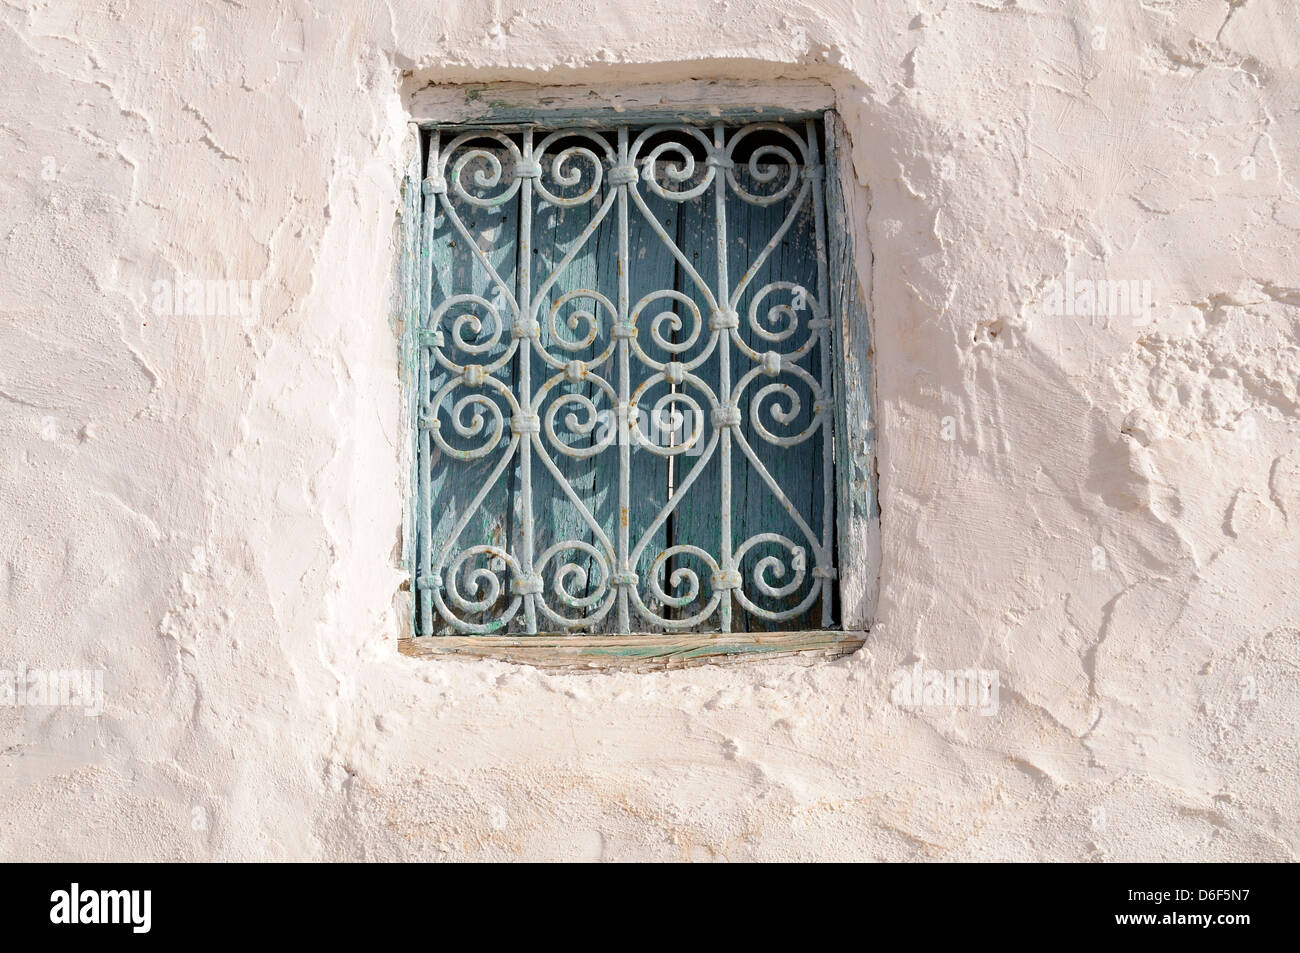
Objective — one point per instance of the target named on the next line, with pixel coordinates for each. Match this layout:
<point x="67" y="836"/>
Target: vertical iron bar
<point x="724" y="365"/>
<point x="425" y="504"/>
<point x="525" y="314"/>
<point x="624" y="391"/>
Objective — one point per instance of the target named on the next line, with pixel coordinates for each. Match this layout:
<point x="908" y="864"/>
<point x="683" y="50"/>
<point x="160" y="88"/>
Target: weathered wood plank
<point x="696" y="520"/>
<point x="635" y="652"/>
<point x="858" y="516"/>
<point x="651" y="268"/>
<point x="798" y="469"/>
<point x="406" y="312"/>
<point x="501" y="104"/>
<point x="453" y="269"/>
<point x="557" y="231"/>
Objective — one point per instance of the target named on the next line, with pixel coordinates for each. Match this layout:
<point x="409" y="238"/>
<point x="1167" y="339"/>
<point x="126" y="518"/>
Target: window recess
<point x="625" y="391"/>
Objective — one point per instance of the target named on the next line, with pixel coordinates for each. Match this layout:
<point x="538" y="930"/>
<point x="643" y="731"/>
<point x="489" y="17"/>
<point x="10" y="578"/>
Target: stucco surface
<point x="209" y="508"/>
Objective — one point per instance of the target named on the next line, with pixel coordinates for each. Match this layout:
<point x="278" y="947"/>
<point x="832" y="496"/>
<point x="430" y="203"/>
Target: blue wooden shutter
<point x="624" y="382"/>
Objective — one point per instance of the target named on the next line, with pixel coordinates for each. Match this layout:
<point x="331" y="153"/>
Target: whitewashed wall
<point x="208" y="507"/>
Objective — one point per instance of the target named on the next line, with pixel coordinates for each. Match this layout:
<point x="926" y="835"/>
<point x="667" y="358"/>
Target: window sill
<point x="652" y="652"/>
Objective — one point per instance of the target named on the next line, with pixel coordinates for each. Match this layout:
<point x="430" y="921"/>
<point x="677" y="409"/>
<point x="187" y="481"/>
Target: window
<point x="625" y="387"/>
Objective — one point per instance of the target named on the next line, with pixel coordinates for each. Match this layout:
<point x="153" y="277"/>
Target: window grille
<point x="624" y="393"/>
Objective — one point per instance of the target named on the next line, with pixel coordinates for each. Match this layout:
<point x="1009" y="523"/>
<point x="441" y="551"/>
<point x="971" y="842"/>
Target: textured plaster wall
<point x="208" y="507"/>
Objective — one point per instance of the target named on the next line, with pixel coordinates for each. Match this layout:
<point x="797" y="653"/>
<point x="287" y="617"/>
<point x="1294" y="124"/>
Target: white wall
<point x="209" y="508"/>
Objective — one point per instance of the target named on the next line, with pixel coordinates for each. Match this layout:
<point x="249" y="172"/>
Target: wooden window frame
<point x="857" y="518"/>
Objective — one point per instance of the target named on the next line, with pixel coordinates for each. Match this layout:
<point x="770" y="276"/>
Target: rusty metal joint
<point x="724" y="319"/>
<point x="728" y="416"/>
<point x="725" y="579"/>
<point x="528" y="328"/>
<point x="623" y="175"/>
<point x="525" y="423"/>
<point x="526" y="585"/>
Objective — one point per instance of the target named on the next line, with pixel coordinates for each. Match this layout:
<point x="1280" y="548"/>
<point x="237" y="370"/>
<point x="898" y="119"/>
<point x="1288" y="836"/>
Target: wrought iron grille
<point x="624" y="386"/>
